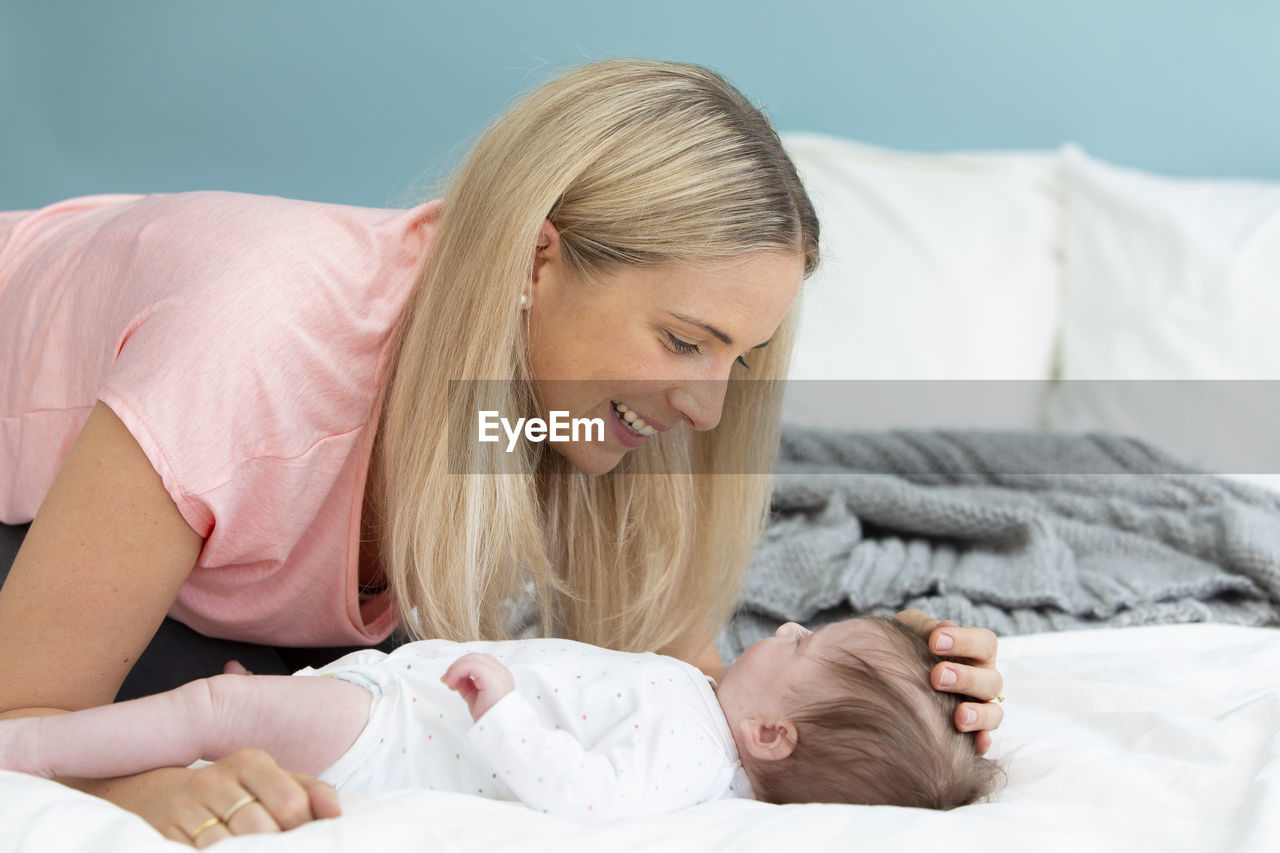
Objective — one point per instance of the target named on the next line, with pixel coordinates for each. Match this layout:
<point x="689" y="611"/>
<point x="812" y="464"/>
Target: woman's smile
<point x="634" y="421"/>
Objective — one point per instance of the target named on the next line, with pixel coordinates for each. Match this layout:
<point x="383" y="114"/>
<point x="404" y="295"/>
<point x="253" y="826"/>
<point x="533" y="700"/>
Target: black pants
<point x="177" y="654"/>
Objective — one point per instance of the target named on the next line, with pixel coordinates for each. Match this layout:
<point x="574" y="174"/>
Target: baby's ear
<point x="769" y="741"/>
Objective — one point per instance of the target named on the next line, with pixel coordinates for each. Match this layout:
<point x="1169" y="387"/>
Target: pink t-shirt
<point x="243" y="341"/>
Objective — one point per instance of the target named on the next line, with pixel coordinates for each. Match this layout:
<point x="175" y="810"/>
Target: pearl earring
<point x="524" y="300"/>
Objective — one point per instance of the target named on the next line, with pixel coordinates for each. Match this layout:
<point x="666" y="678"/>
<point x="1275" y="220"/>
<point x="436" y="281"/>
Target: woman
<point x="276" y="448"/>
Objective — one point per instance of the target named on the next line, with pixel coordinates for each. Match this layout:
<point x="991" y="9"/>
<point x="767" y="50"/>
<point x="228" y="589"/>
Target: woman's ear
<point x="546" y="249"/>
<point x="769" y="741"/>
<point x="547" y="234"/>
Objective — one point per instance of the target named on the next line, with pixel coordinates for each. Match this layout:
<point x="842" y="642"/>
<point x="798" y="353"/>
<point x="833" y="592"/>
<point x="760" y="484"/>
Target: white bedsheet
<point x="1163" y="738"/>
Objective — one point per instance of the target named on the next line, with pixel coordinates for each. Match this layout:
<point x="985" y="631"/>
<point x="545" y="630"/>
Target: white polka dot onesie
<point x="589" y="734"/>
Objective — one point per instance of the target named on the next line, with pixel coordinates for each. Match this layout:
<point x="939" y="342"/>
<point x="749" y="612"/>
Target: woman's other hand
<point x="969" y="670"/>
<point x="243" y="793"/>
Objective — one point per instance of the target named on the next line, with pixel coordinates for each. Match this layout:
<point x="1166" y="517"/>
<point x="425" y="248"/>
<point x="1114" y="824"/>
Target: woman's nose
<point x="701" y="402"/>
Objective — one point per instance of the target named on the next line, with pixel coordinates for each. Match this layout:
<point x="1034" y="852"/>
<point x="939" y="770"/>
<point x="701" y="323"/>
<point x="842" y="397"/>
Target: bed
<point x="981" y="396"/>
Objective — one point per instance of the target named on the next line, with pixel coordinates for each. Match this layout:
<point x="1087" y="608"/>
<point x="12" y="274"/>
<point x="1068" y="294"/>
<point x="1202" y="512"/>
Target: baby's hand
<point x="481" y="680"/>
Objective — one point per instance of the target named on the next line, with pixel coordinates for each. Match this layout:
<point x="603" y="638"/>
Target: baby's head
<point x="847" y="715"/>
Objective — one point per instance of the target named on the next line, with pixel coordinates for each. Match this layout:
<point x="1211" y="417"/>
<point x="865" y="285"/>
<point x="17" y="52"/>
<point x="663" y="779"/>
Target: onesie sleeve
<point x="654" y="761"/>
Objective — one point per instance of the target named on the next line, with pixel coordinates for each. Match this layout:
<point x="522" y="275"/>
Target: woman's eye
<point x="684" y="347"/>
<point x="680" y="346"/>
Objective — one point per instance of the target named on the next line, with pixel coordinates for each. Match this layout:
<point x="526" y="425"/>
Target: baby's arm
<point x="305" y="723"/>
<point x="653" y="762"/>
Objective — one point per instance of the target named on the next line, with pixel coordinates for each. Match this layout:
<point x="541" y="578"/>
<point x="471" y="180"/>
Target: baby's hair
<point x="881" y="735"/>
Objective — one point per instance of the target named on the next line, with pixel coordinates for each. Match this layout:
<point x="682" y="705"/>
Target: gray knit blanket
<point x="1018" y="532"/>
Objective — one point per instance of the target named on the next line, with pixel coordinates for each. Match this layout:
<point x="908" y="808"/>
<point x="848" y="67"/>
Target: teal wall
<point x="365" y="102"/>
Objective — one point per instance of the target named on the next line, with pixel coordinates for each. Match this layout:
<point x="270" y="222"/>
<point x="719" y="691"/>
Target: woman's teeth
<point x="631" y="420"/>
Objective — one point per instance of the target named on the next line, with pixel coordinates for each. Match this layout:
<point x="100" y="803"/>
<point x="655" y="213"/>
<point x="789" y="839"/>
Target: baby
<point x="841" y="715"/>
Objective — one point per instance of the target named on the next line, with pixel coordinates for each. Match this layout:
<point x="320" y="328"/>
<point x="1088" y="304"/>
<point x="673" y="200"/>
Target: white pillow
<point x="934" y="266"/>
<point x="1169" y="278"/>
<point x="1172" y="279"/>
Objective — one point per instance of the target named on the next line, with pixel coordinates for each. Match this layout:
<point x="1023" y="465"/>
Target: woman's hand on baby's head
<point x="969" y="670"/>
<point x="481" y="681"/>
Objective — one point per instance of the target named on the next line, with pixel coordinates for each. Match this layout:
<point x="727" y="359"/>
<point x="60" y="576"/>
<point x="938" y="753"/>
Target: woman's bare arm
<point x="99" y="568"/>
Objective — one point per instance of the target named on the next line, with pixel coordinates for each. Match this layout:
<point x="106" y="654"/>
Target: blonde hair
<point x="636" y="163"/>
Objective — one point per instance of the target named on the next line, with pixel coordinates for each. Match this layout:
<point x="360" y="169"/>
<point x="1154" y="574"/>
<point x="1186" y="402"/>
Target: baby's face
<point x="774" y="676"/>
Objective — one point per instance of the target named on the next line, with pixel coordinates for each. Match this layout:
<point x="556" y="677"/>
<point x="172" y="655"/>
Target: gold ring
<point x="1000" y="698"/>
<point x="240" y="803"/>
<point x="195" y="833"/>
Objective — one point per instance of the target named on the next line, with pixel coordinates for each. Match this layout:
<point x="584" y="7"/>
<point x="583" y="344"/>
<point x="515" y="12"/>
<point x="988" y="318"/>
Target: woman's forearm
<point x="704" y="655"/>
<point x="30" y="712"/>
<point x="148" y="794"/>
<point x="710" y="662"/>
